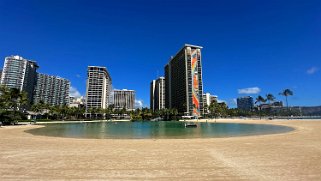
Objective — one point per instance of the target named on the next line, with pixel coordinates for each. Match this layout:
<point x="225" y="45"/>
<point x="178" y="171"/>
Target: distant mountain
<point x="309" y="111"/>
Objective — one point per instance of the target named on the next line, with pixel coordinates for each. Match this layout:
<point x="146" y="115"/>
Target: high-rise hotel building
<point x="183" y="81"/>
<point x="152" y="95"/>
<point x="52" y="90"/>
<point x="124" y="99"/>
<point x="20" y="73"/>
<point x="245" y="103"/>
<point x="98" y="87"/>
<point x="157" y="94"/>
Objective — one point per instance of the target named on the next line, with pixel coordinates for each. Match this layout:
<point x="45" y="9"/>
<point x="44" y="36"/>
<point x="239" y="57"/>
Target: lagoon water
<point x="155" y="130"/>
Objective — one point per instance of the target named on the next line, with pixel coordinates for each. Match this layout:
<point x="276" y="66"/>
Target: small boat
<point x="190" y="125"/>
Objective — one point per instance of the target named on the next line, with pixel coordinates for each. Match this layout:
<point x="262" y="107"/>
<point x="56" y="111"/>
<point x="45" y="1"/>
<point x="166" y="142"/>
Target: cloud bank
<point x="73" y="92"/>
<point x="250" y="90"/>
<point x="139" y="103"/>
<point x="312" y="70"/>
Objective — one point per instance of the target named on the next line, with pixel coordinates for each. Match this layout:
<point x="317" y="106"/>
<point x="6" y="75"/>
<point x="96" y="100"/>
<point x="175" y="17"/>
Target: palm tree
<point x="286" y="93"/>
<point x="213" y="108"/>
<point x="222" y="109"/>
<point x="14" y="98"/>
<point x="4" y="97"/>
<point x="270" y="98"/>
<point x="260" y="100"/>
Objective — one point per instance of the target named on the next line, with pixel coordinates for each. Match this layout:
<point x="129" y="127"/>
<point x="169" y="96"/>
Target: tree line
<point x="217" y="110"/>
<point x="14" y="103"/>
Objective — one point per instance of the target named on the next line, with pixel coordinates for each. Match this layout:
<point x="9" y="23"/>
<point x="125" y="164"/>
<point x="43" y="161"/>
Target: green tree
<point x="213" y="109"/>
<point x="218" y="109"/>
<point x="12" y="102"/>
<point x="4" y="97"/>
<point x="108" y="112"/>
<point x="270" y="98"/>
<point x="17" y="98"/>
<point x="260" y="100"/>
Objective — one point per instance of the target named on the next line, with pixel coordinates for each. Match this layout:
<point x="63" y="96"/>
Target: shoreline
<point x="238" y="121"/>
<point x="187" y="120"/>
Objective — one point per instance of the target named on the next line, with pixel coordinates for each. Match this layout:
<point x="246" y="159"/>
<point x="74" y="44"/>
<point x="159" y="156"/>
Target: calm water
<point x="154" y="130"/>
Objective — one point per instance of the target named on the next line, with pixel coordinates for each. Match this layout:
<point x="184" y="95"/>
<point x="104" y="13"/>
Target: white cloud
<point x="139" y="103"/>
<point x="74" y="92"/>
<point x="221" y="101"/>
<point x="312" y="70"/>
<point x="78" y="76"/>
<point x="250" y="90"/>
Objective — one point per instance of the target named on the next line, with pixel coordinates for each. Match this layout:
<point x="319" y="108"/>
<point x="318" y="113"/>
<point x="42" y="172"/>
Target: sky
<point x="250" y="47"/>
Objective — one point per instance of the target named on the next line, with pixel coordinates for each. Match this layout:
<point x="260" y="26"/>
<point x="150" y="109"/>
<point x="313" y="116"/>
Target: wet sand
<point x="294" y="155"/>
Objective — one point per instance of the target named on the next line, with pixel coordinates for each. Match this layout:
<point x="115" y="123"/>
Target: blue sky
<point x="266" y="46"/>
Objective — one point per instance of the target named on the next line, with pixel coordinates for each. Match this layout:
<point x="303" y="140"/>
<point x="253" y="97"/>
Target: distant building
<point x="76" y="101"/>
<point x="124" y="99"/>
<point x="0" y="75"/>
<point x="98" y="88"/>
<point x="273" y="105"/>
<point x="277" y="104"/>
<point x="158" y="94"/>
<point x="207" y="100"/>
<point x="213" y="98"/>
<point x="51" y="90"/>
<point x="152" y="95"/>
<point x="245" y="103"/>
<point x="20" y="73"/>
<point x="206" y="106"/>
<point x="184" y="84"/>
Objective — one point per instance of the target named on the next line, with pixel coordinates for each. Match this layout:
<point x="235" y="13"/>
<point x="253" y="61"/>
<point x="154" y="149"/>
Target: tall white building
<point x="52" y="90"/>
<point x="98" y="87"/>
<point x="20" y="73"/>
<point x="152" y="95"/>
<point x="158" y="94"/>
<point x="208" y="99"/>
<point x="124" y="99"/>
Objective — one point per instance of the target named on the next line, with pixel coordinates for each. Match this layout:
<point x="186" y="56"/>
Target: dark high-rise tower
<point x="245" y="103"/>
<point x="183" y="81"/>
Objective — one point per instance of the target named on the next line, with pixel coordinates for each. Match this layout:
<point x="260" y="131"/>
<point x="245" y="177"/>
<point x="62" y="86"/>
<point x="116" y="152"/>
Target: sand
<point x="288" y="156"/>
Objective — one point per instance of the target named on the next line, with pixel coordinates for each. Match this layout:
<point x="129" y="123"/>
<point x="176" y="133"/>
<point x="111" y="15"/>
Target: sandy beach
<point x="294" y="155"/>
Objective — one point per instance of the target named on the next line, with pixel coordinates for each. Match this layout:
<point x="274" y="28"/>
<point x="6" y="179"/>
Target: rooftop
<point x="185" y="45"/>
<point x="124" y="90"/>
